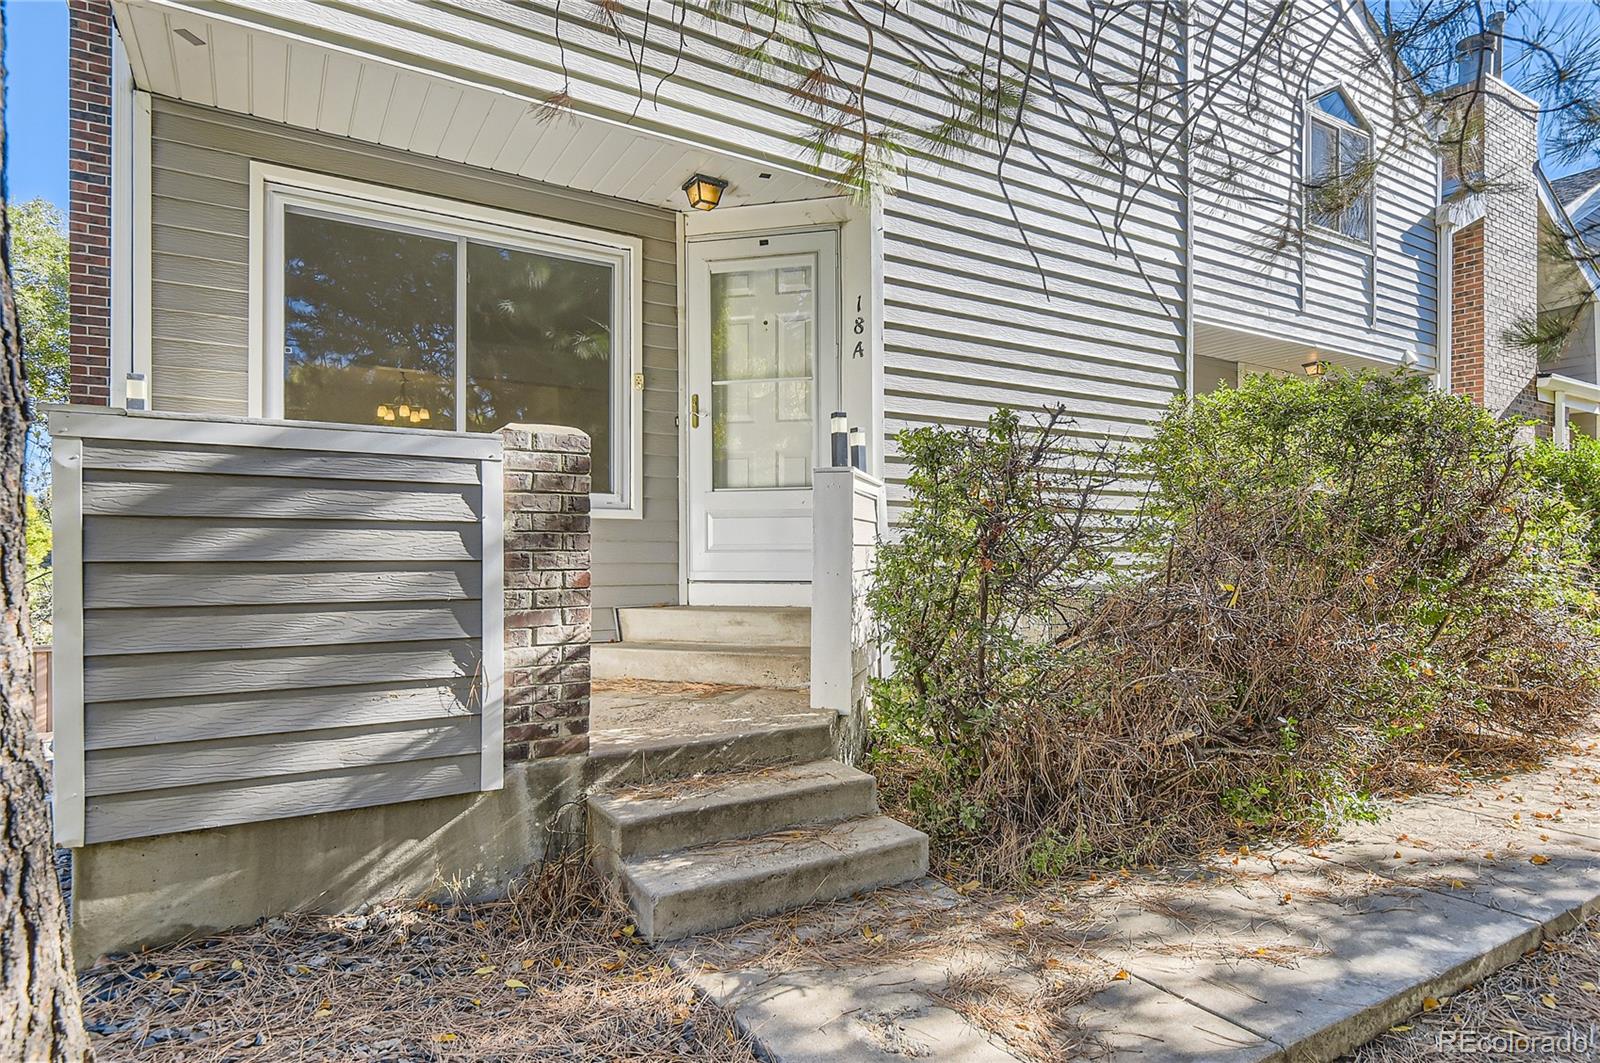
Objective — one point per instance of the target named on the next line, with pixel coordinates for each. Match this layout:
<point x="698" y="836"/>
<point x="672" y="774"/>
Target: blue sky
<point x="36" y="100"/>
<point x="36" y="112"/>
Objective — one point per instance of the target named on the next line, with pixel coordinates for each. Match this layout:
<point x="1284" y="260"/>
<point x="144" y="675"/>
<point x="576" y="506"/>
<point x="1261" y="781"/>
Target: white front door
<point x="763" y="379"/>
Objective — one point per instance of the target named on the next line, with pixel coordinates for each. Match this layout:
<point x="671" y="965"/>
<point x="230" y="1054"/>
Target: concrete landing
<point x="1300" y="953"/>
<point x="643" y="731"/>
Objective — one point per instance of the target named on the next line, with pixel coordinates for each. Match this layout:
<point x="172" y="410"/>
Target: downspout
<point x="1188" y="213"/>
<point x="1446" y="283"/>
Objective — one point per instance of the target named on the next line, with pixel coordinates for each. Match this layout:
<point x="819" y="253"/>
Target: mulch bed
<point x="553" y="972"/>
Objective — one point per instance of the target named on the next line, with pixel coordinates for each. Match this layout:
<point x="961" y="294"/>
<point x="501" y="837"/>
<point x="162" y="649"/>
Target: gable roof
<point x="1573" y="188"/>
<point x="1583" y="236"/>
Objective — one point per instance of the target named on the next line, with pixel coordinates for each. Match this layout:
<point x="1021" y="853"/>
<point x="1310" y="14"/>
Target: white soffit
<point x="216" y="62"/>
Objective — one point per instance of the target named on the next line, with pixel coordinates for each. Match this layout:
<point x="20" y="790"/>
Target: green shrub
<point x="1574" y="471"/>
<point x="1332" y="583"/>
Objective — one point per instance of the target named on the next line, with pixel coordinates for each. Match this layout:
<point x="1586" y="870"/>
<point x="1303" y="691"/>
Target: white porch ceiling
<point x="1283" y="352"/>
<point x="218" y="62"/>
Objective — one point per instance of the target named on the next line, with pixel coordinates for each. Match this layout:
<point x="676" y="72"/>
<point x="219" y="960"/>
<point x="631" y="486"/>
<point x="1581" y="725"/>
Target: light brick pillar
<point x="89" y="209"/>
<point x="547" y="614"/>
<point x="1495" y="264"/>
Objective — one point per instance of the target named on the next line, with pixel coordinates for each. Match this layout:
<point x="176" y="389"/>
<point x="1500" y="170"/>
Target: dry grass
<point x="1544" y="1006"/>
<point x="553" y="972"/>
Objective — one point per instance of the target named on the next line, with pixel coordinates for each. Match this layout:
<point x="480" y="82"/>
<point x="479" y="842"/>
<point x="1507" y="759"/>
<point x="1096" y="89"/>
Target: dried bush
<point x="1332" y="579"/>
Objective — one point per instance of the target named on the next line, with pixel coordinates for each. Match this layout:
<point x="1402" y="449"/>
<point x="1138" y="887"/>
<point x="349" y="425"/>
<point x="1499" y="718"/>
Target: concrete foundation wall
<point x="147" y="891"/>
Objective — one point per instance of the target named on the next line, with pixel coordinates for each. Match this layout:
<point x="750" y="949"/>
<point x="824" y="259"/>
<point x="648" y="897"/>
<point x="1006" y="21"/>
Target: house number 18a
<point x="859" y="329"/>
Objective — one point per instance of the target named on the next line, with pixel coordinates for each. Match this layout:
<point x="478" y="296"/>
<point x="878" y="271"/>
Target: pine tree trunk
<point x="40" y="1016"/>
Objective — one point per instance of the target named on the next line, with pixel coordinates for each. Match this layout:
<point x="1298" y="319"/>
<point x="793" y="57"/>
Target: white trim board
<point x="274" y="188"/>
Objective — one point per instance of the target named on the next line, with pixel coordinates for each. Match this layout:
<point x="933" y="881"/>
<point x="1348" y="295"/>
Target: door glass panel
<point x="763" y="360"/>
<point x="539" y="345"/>
<point x="369" y="324"/>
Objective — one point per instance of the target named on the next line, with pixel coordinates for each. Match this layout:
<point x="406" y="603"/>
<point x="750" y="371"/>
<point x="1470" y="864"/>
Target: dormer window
<point x="1338" y="175"/>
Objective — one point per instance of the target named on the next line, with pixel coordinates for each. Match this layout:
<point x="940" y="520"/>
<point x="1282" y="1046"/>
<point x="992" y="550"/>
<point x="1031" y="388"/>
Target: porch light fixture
<point x="1315" y="367"/>
<point x="704" y="191"/>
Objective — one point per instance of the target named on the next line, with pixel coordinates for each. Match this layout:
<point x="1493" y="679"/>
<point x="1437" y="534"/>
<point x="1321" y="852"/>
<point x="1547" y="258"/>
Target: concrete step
<point x="781" y="667"/>
<point x="692" y="891"/>
<point x="632" y="760"/>
<point x="645" y="821"/>
<point x="715" y="624"/>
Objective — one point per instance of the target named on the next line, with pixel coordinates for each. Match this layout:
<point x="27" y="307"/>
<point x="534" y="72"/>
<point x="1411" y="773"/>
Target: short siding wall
<point x="268" y="632"/>
<point x="200" y="303"/>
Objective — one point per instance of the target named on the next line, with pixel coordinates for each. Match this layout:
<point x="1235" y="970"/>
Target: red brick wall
<point x="89" y="211"/>
<point x="547" y="613"/>
<point x="1466" y="314"/>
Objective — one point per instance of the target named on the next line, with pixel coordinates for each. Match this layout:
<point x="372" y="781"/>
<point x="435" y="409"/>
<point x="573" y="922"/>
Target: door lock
<point x="694" y="411"/>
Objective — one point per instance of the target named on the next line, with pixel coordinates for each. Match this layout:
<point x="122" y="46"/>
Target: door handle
<point x="694" y="411"/>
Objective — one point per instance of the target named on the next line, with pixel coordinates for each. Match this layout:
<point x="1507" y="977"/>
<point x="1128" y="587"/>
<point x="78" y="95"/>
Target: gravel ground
<point x="1544" y="1006"/>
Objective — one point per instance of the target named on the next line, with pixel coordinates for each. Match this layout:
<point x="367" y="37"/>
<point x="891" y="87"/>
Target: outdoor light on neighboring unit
<point x="137" y="390"/>
<point x="704" y="191"/>
<point x="1315" y="367"/>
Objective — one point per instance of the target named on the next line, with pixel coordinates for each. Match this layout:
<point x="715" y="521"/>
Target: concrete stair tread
<point x="687" y="813"/>
<point x="735" y="664"/>
<point x="739" y="648"/>
<point x="711" y="886"/>
<point x="706" y="792"/>
<point x="713" y="624"/>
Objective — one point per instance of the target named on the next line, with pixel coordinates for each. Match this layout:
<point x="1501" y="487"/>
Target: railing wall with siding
<point x="260" y="619"/>
<point x="849" y="518"/>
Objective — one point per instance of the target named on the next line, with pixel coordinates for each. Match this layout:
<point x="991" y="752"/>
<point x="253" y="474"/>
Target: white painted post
<point x="492" y="722"/>
<point x="832" y="557"/>
<point x="1560" y="430"/>
<point x="66" y="519"/>
<point x="844" y="539"/>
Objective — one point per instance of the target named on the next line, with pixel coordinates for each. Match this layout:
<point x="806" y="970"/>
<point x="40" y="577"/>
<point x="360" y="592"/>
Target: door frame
<point x="828" y="383"/>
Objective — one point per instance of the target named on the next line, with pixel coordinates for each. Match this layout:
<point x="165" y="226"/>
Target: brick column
<point x="1466" y="314"/>
<point x="89" y="210"/>
<point x="547" y="591"/>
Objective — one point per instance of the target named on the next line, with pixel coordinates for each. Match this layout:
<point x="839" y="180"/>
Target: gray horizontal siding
<point x="200" y="305"/>
<point x="1316" y="291"/>
<point x="272" y="632"/>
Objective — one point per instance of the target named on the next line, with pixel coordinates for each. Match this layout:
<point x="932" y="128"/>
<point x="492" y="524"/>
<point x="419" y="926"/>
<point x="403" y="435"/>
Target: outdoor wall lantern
<point x="704" y="191"/>
<point x="1315" y="367"/>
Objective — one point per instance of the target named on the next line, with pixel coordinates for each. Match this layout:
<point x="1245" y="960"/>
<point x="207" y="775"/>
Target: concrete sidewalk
<point x="1297" y="953"/>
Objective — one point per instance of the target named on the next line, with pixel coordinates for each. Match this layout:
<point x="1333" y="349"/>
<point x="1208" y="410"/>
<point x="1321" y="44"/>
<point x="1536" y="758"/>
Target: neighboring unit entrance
<point x="763" y="373"/>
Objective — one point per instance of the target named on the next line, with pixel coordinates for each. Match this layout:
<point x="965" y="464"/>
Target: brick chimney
<point x="1491" y="191"/>
<point x="89" y="207"/>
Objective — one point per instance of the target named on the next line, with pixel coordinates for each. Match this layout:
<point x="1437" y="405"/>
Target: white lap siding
<point x="200" y="303"/>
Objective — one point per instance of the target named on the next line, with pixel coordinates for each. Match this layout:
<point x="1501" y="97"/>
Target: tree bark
<point x="40" y="1014"/>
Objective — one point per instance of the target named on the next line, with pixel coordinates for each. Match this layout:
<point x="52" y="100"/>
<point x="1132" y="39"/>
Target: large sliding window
<point x="406" y="314"/>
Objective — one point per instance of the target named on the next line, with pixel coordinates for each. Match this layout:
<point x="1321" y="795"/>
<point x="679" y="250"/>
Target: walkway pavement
<point x="1296" y="953"/>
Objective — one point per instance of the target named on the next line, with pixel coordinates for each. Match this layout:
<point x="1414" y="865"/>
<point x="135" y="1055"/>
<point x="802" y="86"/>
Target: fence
<point x="43" y="717"/>
<point x="849" y="516"/>
<point x="261" y="619"/>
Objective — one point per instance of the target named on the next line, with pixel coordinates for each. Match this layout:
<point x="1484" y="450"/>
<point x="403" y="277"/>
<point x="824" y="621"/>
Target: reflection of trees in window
<point x="539" y="345"/>
<point x="1339" y="168"/>
<point x="365" y="309"/>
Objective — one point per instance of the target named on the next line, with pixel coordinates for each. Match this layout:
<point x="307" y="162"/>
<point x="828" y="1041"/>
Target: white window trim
<point x="1312" y="113"/>
<point x="272" y="187"/>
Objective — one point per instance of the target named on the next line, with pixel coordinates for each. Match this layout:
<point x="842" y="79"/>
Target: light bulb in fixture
<point x="404" y="411"/>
